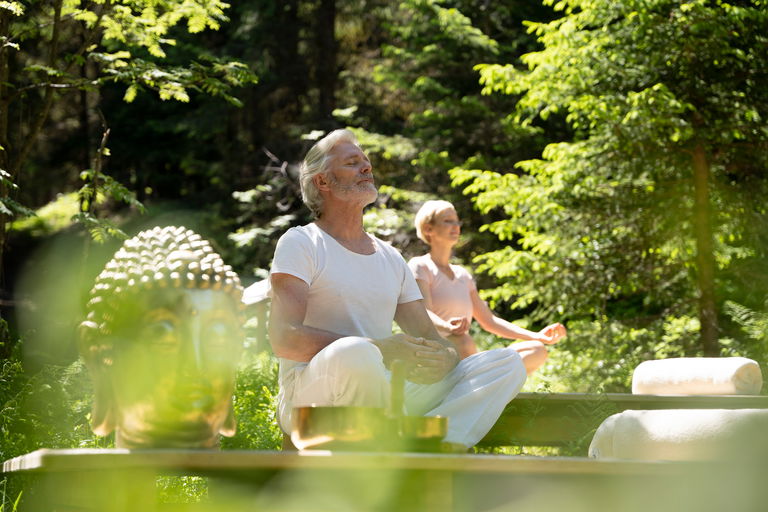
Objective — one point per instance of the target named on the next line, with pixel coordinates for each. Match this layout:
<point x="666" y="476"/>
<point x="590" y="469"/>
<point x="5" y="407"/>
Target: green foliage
<point x="146" y="25"/>
<point x="50" y="408"/>
<point x="601" y="227"/>
<point x="59" y="47"/>
<point x="14" y="8"/>
<point x="212" y="76"/>
<point x="390" y="152"/>
<point x="753" y="328"/>
<point x="79" y="207"/>
<point x="754" y="323"/>
<point x="182" y="489"/>
<point x="101" y="230"/>
<point x="44" y="408"/>
<point x="8" y="501"/>
<point x="255" y="406"/>
<point x="427" y="91"/>
<point x="259" y="225"/>
<point x="9" y="206"/>
<point x="631" y="67"/>
<point x="428" y="64"/>
<point x="97" y="184"/>
<point x="51" y="218"/>
<point x="422" y="88"/>
<point x="127" y="41"/>
<point x="386" y="222"/>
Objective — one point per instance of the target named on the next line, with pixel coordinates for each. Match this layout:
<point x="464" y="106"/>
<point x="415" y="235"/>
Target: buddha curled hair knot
<point x="161" y="258"/>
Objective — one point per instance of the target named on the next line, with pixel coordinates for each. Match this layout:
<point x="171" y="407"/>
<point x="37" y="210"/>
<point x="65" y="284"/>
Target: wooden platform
<point x="210" y="461"/>
<point x="112" y="480"/>
<point x="558" y="419"/>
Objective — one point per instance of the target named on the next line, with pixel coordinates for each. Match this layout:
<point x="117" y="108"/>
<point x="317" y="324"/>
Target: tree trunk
<point x="705" y="254"/>
<point x="12" y="158"/>
<point x="326" y="72"/>
<point x="4" y="143"/>
<point x="83" y="111"/>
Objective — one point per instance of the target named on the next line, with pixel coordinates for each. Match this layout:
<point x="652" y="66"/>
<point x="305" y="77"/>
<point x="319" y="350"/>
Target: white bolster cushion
<point x="678" y="434"/>
<point x="698" y="376"/>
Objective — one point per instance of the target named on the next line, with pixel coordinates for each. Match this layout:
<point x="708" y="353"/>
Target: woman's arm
<point x="500" y="327"/>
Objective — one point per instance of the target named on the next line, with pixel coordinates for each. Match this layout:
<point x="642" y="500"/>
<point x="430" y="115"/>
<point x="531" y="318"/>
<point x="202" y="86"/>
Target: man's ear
<point x="321" y="181"/>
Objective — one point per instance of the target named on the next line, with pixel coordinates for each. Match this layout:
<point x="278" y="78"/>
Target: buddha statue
<point x="162" y="339"/>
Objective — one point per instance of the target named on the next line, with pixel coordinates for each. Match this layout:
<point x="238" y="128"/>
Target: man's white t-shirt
<point x="349" y="293"/>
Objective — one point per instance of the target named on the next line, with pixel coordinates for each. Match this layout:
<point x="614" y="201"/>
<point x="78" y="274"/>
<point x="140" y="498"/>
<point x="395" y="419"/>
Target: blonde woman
<point x="451" y="297"/>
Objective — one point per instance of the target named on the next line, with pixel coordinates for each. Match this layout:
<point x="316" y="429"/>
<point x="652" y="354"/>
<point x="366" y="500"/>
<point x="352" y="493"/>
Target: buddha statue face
<point x="162" y="342"/>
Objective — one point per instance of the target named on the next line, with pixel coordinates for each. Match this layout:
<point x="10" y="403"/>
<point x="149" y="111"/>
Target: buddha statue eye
<point x="160" y="333"/>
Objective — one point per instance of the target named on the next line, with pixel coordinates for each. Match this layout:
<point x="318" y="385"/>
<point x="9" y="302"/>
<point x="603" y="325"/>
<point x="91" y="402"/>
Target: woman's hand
<point x="457" y="325"/>
<point x="551" y="334"/>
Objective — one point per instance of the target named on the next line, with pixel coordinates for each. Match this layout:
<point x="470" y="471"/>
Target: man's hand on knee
<point x="434" y="361"/>
<point x="427" y="361"/>
<point x="398" y="346"/>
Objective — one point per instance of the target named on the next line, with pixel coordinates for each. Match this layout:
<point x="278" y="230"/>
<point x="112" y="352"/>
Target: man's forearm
<point x="414" y="319"/>
<point x="299" y="342"/>
<point x="436" y="320"/>
<point x="429" y="332"/>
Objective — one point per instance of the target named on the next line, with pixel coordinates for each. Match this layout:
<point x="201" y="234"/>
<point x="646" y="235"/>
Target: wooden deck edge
<point x="214" y="461"/>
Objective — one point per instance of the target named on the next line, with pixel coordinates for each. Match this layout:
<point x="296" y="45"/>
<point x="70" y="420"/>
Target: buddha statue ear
<point x="97" y="357"/>
<point x="229" y="427"/>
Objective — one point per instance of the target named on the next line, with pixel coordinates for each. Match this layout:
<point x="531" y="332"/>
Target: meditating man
<point x="335" y="293"/>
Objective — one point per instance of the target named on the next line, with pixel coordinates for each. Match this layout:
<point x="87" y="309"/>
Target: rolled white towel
<point x="679" y="434"/>
<point x="698" y="376"/>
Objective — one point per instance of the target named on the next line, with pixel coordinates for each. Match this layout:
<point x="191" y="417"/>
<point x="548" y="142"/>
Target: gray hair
<point x="426" y="215"/>
<point x="316" y="162"/>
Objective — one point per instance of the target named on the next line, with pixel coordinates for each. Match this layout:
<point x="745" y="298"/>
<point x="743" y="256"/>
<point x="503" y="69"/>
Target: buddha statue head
<point x="162" y="339"/>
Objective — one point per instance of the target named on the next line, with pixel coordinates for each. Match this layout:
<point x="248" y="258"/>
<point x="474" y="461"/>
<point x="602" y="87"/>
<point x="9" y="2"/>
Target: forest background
<point x="608" y="159"/>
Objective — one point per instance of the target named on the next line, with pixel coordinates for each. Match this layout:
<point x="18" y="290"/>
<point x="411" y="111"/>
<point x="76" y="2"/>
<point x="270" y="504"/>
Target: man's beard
<point x="349" y="189"/>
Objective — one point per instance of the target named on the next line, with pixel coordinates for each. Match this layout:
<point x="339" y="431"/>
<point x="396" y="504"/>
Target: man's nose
<point x="366" y="167"/>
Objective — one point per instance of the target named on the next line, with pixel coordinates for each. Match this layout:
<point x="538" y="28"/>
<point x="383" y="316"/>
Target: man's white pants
<point x="350" y="371"/>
